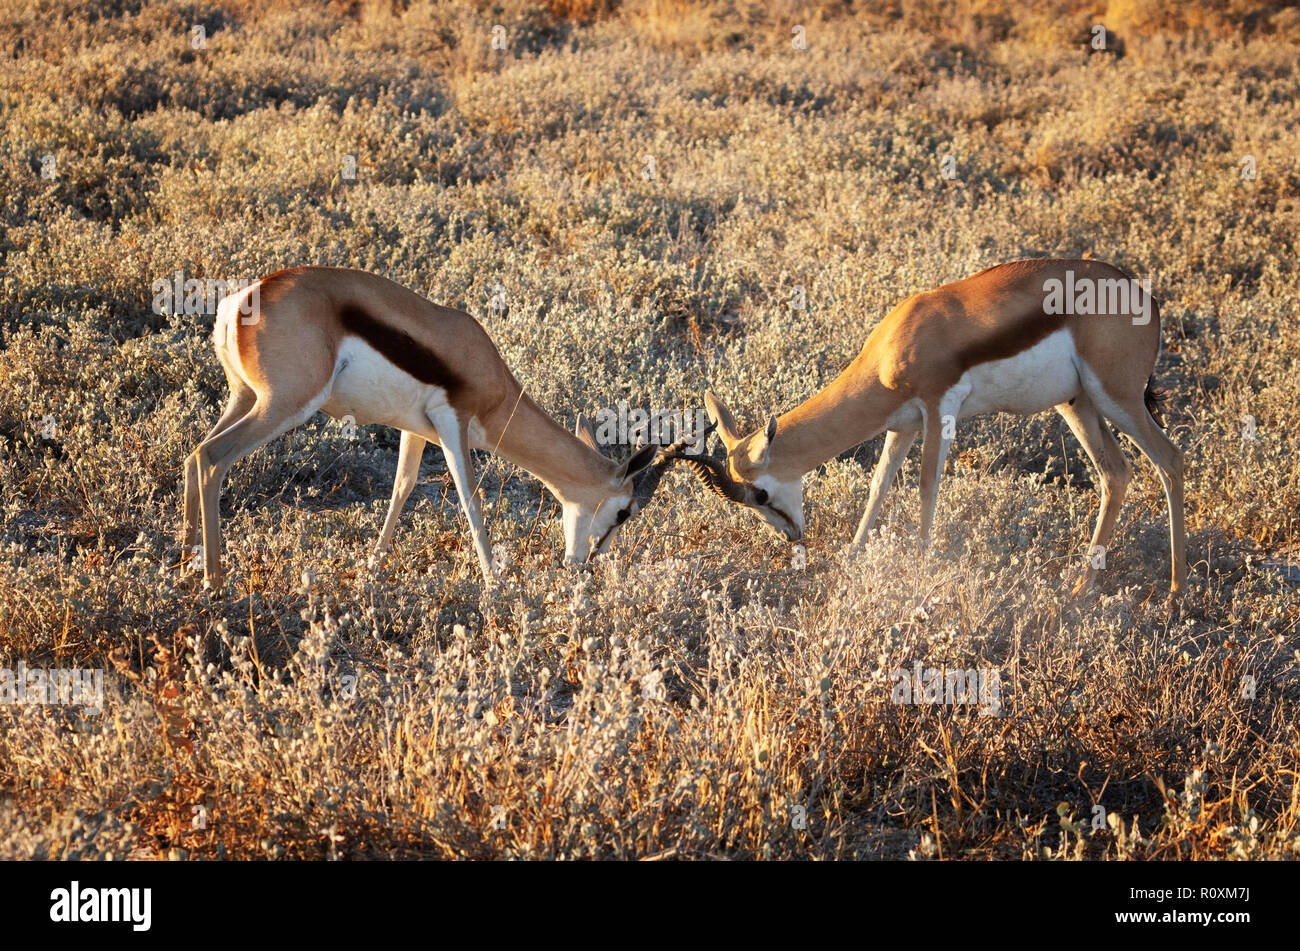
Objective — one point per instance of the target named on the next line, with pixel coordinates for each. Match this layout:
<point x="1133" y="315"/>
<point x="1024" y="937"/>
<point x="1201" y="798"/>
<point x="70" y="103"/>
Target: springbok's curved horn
<point x="712" y="470"/>
<point x="647" y="482"/>
<point x="644" y="485"/>
<point x="713" y="473"/>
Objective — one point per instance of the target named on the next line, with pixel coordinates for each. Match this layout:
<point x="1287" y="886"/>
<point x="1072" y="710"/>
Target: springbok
<point x="356" y="345"/>
<point x="1078" y="336"/>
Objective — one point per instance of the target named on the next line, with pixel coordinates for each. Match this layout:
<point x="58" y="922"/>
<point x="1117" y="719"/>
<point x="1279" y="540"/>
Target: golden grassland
<point x="705" y="690"/>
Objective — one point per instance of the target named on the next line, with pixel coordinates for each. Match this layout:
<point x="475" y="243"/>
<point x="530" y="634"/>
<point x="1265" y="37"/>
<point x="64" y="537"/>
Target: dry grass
<point x="703" y="689"/>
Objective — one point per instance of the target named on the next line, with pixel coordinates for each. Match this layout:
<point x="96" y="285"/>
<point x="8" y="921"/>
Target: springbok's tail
<point x="1155" y="397"/>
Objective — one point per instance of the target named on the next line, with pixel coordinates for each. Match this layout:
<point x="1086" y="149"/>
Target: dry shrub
<point x="707" y="690"/>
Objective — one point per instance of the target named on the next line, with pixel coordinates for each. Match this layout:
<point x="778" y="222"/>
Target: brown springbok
<point x="356" y="345"/>
<point x="1078" y="336"/>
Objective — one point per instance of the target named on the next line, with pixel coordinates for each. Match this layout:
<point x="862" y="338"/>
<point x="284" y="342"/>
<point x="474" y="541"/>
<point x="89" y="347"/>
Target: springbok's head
<point x="743" y="475"/>
<point x="592" y="520"/>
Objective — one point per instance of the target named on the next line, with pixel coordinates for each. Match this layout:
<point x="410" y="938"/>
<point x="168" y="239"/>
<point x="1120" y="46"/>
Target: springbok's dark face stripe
<point x="785" y="518"/>
<point x="595" y="550"/>
<point x="631" y="510"/>
<point x="753" y="490"/>
<point x="400" y="349"/>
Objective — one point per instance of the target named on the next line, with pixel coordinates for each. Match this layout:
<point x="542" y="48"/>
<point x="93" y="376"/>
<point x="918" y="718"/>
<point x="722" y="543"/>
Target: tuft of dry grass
<point x="706" y="690"/>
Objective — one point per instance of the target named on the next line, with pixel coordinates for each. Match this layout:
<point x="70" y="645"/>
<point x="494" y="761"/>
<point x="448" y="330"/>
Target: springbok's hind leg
<point x="1114" y="472"/>
<point x="1168" y="460"/>
<point x="241" y="401"/>
<point x="1131" y="417"/>
<point x="269" y="418"/>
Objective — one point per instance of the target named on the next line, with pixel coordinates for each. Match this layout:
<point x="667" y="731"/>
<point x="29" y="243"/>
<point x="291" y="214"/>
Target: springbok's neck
<point x="850" y="410"/>
<point x="522" y="432"/>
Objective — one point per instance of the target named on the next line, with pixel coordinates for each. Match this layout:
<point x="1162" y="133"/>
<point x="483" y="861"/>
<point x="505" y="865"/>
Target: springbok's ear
<point x="760" y="450"/>
<point x="639" y="460"/>
<point x="582" y="429"/>
<point x="719" y="413"/>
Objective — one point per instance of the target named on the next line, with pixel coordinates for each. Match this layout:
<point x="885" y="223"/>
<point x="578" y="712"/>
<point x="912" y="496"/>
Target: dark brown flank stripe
<point x="1032" y="329"/>
<point x="400" y="349"/>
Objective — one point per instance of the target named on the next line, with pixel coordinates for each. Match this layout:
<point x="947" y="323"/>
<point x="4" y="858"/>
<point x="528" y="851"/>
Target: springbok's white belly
<point x="1032" y="381"/>
<point x="370" y="389"/>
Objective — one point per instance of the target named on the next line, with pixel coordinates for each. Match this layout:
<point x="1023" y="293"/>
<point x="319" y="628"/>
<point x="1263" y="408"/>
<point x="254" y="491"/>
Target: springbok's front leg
<point x="408" y="473"/>
<point x="897" y="445"/>
<point x="453" y="434"/>
<point x="940" y="422"/>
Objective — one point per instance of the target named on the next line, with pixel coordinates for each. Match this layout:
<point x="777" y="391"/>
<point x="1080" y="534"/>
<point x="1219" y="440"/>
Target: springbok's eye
<point x="622" y="515"/>
<point x="761" y="496"/>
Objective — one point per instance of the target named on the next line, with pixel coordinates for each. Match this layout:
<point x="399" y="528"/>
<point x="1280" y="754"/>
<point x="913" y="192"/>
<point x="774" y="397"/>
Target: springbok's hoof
<point x="1175" y="604"/>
